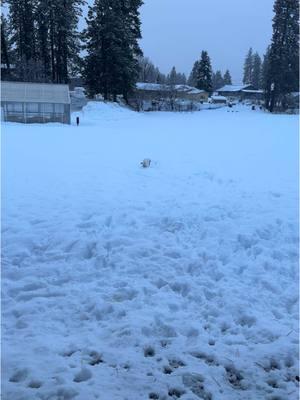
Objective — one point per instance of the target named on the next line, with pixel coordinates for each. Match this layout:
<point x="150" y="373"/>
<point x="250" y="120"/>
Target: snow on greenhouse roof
<point x="29" y="92"/>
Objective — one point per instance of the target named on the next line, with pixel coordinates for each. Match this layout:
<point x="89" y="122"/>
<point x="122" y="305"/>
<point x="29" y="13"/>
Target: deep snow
<point x="177" y="281"/>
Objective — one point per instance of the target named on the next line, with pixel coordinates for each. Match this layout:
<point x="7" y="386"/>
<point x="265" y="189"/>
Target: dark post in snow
<point x="77" y="121"/>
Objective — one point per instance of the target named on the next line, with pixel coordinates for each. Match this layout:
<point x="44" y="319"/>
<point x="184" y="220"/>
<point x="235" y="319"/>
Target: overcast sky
<point x="175" y="32"/>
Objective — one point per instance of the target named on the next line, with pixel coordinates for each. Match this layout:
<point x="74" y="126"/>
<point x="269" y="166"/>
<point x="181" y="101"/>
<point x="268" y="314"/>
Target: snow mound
<point x="99" y="110"/>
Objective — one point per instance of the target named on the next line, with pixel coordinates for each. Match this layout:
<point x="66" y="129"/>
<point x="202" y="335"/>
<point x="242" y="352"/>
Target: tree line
<point x="253" y="69"/>
<point x="281" y="64"/>
<point x="278" y="73"/>
<point x="40" y="42"/>
<point x="201" y="76"/>
<point x="149" y="73"/>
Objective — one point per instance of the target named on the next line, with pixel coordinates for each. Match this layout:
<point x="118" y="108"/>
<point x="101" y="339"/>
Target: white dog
<point x="146" y="163"/>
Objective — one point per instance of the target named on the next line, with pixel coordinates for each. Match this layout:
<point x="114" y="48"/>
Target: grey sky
<point x="175" y="32"/>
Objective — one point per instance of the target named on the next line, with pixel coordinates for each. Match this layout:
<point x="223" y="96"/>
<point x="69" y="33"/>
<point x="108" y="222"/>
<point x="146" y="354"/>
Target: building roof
<point x="150" y="86"/>
<point x="28" y="92"/>
<point x="252" y="91"/>
<point x="233" y="88"/>
<point x="188" y="89"/>
<point x="161" y="87"/>
<point x="215" y="97"/>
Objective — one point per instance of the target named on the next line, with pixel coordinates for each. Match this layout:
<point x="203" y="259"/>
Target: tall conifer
<point x="283" y="57"/>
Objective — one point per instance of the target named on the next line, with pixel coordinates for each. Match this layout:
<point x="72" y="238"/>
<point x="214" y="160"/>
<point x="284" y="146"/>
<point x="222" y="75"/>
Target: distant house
<point x="234" y="92"/>
<point x="255" y="95"/>
<point x="29" y="102"/>
<point x="155" y="96"/>
<point x="186" y="92"/>
<point x="182" y="91"/>
<point x="215" y="99"/>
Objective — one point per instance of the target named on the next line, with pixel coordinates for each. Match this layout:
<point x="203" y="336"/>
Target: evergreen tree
<point x="227" y="78"/>
<point x="172" y="77"/>
<point x="256" y="73"/>
<point x="283" y="56"/>
<point x="181" y="79"/>
<point x="248" y="67"/>
<point x="147" y="71"/>
<point x="6" y="50"/>
<point x="264" y="76"/>
<point x="22" y="25"/>
<point x="160" y="78"/>
<point x="111" y="37"/>
<point x="103" y="45"/>
<point x="45" y="38"/>
<point x="217" y="80"/>
<point x="130" y="44"/>
<point x="64" y="38"/>
<point x="204" y="73"/>
<point x="192" y="81"/>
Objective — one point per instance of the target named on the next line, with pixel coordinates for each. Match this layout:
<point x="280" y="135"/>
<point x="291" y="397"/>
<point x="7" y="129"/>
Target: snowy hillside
<point x="177" y="281"/>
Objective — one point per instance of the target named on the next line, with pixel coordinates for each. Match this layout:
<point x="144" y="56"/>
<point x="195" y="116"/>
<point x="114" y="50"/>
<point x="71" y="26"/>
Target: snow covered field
<point x="177" y="281"/>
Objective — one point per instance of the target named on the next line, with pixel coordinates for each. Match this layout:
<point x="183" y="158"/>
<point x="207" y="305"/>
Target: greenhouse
<point x="29" y="102"/>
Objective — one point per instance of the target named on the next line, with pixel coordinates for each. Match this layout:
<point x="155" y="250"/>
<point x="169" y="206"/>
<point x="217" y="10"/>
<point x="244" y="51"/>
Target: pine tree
<point x="64" y="38"/>
<point x="111" y="37"/>
<point x="6" y="50"/>
<point x="283" y="58"/>
<point x="192" y="80"/>
<point x="181" y="79"/>
<point x="45" y="38"/>
<point x="172" y="77"/>
<point x="102" y="38"/>
<point x="43" y="41"/>
<point x="227" y="78"/>
<point x="264" y="76"/>
<point x="256" y="73"/>
<point x="147" y="72"/>
<point x="204" y="73"/>
<point x="131" y="50"/>
<point x="22" y="25"/>
<point x="248" y="67"/>
<point x="160" y="78"/>
<point x="218" y="80"/>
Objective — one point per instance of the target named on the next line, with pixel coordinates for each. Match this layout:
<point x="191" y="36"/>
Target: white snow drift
<point x="174" y="281"/>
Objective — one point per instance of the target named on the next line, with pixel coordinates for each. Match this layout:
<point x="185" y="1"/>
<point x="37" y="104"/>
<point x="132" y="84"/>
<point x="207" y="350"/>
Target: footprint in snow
<point x="35" y="384"/>
<point x="19" y="375"/>
<point x="195" y="382"/>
